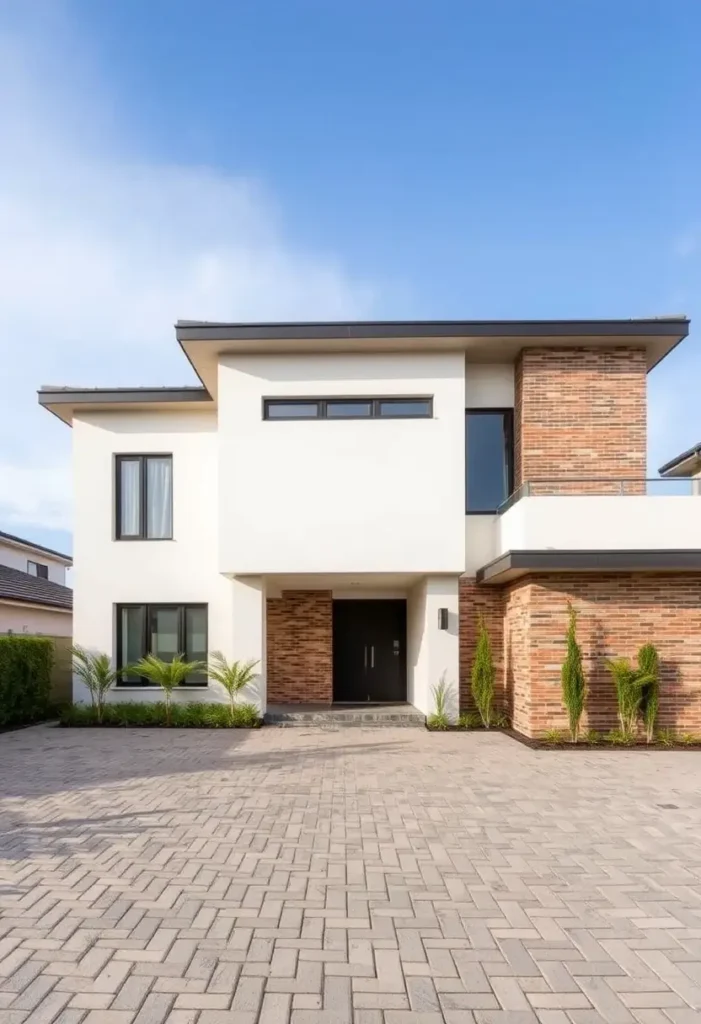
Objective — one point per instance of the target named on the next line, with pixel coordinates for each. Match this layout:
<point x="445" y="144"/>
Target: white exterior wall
<point x="636" y="522"/>
<point x="337" y="496"/>
<point x="17" y="558"/>
<point x="109" y="572"/>
<point x="30" y="619"/>
<point x="433" y="654"/>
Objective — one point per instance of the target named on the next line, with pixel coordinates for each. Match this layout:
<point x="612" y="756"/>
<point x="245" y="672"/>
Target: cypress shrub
<point x="25" y="678"/>
<point x="483" y="675"/>
<point x="573" y="685"/>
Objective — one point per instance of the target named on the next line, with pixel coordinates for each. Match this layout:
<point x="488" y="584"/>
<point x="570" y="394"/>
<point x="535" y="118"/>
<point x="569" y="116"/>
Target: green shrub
<point x="666" y="737"/>
<point x="630" y="686"/>
<point x="195" y="715"/>
<point x="619" y="738"/>
<point x="25" y="678"/>
<point x="167" y="674"/>
<point x="439" y="718"/>
<point x="592" y="736"/>
<point x="648" y="666"/>
<point x="573" y="685"/>
<point x="500" y="720"/>
<point x="483" y="675"/>
<point x="470" y="720"/>
<point x="553" y="736"/>
<point x="96" y="672"/>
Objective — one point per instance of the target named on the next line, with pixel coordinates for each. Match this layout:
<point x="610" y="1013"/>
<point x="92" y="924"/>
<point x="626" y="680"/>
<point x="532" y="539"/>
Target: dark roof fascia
<point x="677" y="461"/>
<point x="36" y="547"/>
<point x="620" y="560"/>
<point x="116" y="396"/>
<point x="196" y="330"/>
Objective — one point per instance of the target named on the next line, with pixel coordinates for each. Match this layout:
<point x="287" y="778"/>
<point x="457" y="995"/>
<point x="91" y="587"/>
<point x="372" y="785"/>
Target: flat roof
<point x="513" y="564"/>
<point x="24" y="543"/>
<point x="684" y="464"/>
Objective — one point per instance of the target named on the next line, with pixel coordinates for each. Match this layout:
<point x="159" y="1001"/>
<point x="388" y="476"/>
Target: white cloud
<point x="101" y="250"/>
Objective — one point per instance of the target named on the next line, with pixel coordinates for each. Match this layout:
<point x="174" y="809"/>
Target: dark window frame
<point x="142" y="458"/>
<point x="148" y="608"/>
<point x="508" y="413"/>
<point x="374" y="401"/>
<point x="38" y="565"/>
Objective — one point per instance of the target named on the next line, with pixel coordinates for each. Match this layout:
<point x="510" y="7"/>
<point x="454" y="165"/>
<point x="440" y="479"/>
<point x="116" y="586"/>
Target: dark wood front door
<point x="369" y="651"/>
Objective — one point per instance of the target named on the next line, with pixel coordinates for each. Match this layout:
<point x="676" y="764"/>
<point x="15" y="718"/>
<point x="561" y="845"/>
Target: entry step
<point x="337" y="716"/>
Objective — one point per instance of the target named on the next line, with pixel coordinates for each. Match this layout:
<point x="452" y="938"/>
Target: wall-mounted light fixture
<point x="442" y="618"/>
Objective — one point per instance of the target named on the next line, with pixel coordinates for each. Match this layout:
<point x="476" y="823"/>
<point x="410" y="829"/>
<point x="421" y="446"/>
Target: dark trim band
<point x="518" y="563"/>
<point x="100" y="396"/>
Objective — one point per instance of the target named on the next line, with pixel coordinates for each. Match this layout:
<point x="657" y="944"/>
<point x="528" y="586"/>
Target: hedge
<point x="25" y="679"/>
<point x="196" y="715"/>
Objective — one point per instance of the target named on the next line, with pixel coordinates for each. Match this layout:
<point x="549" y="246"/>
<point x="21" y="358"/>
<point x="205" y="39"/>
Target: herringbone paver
<point x="348" y="877"/>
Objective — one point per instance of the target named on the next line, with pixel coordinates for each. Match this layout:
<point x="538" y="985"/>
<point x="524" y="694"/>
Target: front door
<point x="369" y="651"/>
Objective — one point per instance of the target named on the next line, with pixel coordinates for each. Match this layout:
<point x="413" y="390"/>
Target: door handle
<point x="365" y="660"/>
<point x="372" y="656"/>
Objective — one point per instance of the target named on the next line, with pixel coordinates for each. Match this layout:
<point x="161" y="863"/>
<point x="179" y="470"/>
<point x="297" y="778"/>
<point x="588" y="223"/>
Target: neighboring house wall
<point x="17" y="558"/>
<point x="340" y="496"/>
<point x="580" y="413"/>
<point x="31" y="619"/>
<point x="300" y="647"/>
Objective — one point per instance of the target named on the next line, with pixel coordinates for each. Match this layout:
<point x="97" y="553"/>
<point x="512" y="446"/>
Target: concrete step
<point x="359" y="715"/>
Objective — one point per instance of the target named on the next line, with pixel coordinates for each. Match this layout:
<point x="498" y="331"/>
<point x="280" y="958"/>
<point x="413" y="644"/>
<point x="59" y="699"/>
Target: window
<point x="144" y="497"/>
<point x="347" y="408"/>
<point x="489" y="452"/>
<point x="38" y="569"/>
<point x="164" y="630"/>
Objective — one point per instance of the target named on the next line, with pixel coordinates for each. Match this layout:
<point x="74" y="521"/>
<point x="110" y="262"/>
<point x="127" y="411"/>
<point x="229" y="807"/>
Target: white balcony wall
<point x="341" y="496"/>
<point x="589" y="522"/>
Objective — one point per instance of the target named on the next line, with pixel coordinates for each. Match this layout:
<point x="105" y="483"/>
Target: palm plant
<point x="630" y="686"/>
<point x="166" y="674"/>
<point x="234" y="676"/>
<point x="648" y="665"/>
<point x="573" y="685"/>
<point x="483" y="675"/>
<point x="95" y="670"/>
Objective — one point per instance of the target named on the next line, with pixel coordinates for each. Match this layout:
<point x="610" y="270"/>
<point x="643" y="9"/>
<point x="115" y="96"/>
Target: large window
<point x="347" y="408"/>
<point x="38" y="569"/>
<point x="164" y="630"/>
<point x="144" y="497"/>
<point x="489" y="451"/>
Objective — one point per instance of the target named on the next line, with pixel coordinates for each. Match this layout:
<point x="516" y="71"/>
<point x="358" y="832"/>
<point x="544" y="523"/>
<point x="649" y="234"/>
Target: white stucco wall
<point x="608" y="522"/>
<point x="17" y="558"/>
<point x="432" y="653"/>
<point x="109" y="572"/>
<point x="19" y="618"/>
<point x="489" y="385"/>
<point x="348" y="495"/>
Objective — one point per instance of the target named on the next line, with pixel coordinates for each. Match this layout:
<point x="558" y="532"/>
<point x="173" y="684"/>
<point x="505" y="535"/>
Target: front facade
<point x="341" y="502"/>
<point x="34" y="598"/>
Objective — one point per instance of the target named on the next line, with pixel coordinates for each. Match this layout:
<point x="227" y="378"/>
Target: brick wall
<point x="617" y="613"/>
<point x="489" y="602"/>
<point x="300" y="647"/>
<point x="580" y="412"/>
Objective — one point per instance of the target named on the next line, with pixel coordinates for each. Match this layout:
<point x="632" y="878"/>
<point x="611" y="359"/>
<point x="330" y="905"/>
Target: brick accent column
<point x="580" y="412"/>
<point x="300" y="647"/>
<point x="489" y="602"/>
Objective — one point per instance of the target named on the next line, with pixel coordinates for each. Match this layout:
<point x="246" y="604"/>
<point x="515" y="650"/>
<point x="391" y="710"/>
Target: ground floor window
<point x="164" y="630"/>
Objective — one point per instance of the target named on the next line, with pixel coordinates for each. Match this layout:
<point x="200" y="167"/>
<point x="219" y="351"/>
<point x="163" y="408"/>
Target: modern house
<point x="342" y="501"/>
<point x="34" y="597"/>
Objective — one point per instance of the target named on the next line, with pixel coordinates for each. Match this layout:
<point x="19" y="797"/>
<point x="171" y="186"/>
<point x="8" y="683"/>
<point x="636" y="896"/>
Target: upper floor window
<point x="489" y="454"/>
<point x="144" y="497"/>
<point x="347" y="408"/>
<point x="38" y="569"/>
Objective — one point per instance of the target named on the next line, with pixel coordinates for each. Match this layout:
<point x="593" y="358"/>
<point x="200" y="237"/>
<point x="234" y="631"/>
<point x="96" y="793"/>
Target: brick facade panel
<point x="300" y="647"/>
<point x="475" y="602"/>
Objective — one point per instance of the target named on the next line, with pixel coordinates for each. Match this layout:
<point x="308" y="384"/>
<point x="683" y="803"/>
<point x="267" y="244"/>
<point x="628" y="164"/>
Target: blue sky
<point x="380" y="158"/>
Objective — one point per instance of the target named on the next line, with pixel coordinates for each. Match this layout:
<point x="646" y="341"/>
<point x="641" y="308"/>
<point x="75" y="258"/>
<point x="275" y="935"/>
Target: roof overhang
<point x="203" y="342"/>
<point x="515" y="564"/>
<point x="687" y="464"/>
<point x="65" y="402"/>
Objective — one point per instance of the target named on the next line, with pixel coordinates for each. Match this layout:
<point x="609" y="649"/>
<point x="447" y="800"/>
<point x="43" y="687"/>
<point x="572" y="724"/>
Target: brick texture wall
<point x="617" y="613"/>
<point x="300" y="647"/>
<point x="489" y="602"/>
<point x="580" y="412"/>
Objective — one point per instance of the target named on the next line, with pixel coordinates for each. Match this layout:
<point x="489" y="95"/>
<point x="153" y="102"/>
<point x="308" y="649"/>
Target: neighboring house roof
<point x="686" y="464"/>
<point x="16" y="585"/>
<point x="22" y="542"/>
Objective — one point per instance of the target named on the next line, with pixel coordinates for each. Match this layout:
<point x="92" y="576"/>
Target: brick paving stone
<point x="345" y="877"/>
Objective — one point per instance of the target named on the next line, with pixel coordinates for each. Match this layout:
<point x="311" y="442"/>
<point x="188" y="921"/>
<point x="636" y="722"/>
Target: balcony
<point x="595" y="514"/>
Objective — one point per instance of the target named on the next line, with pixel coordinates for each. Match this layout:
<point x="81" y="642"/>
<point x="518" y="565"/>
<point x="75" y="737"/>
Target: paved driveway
<point x="380" y="877"/>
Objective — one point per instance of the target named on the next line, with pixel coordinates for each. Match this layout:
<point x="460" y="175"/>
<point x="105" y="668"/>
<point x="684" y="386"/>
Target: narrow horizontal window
<point x="489" y="455"/>
<point x="163" y="630"/>
<point x="347" y="408"/>
<point x="38" y="569"/>
<point x="144" y="497"/>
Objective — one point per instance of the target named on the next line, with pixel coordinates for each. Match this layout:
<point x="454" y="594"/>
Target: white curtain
<point x="159" y="488"/>
<point x="130" y="499"/>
